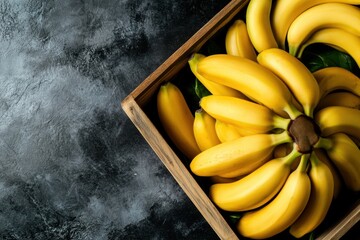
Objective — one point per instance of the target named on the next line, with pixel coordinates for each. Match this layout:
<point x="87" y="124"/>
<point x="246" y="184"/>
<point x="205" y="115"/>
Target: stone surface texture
<point x="72" y="165"/>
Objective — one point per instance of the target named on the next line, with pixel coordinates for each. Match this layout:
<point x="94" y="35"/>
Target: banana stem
<point x="289" y="159"/>
<point x="280" y="138"/>
<point x="309" y="111"/>
<point x="303" y="162"/>
<point x="293" y="50"/>
<point x="280" y="122"/>
<point x="323" y="143"/>
<point x="314" y="159"/>
<point x="292" y="111"/>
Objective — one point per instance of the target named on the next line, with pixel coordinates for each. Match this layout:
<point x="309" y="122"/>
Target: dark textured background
<point x="72" y="165"/>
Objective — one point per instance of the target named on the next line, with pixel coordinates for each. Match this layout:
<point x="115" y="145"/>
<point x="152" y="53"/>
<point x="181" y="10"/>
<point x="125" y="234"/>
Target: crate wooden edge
<point x="344" y="225"/>
<point x="177" y="169"/>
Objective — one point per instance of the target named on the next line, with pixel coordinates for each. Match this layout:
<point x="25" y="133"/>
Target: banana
<point x="204" y="130"/>
<point x="177" y="119"/>
<point x="345" y="155"/>
<point x="334" y="37"/>
<point x="331" y="79"/>
<point x="226" y="132"/>
<point x="214" y="88"/>
<point x="321" y="196"/>
<point x="248" y="168"/>
<point x="237" y="41"/>
<point x="283" y="210"/>
<point x="230" y="156"/>
<point x="321" y="154"/>
<point x="252" y="79"/>
<point x="285" y="12"/>
<point x="336" y="119"/>
<point x="259" y="26"/>
<point x="242" y="113"/>
<point x="256" y="188"/>
<point x="344" y="16"/>
<point x="344" y="99"/>
<point x="294" y="74"/>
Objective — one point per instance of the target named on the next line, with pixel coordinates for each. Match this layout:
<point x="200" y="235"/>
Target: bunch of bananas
<point x="278" y="141"/>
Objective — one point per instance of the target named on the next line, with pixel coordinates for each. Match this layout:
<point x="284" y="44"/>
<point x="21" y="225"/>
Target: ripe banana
<point x="294" y="74"/>
<point x="226" y="132"/>
<point x="214" y="88"/>
<point x="256" y="188"/>
<point x="321" y="154"/>
<point x="322" y="191"/>
<point x="177" y="119"/>
<point x="242" y="113"/>
<point x="344" y="99"/>
<point x="204" y="130"/>
<point x="344" y="16"/>
<point x="337" y="78"/>
<point x="336" y="119"/>
<point x="230" y="156"/>
<point x="285" y="12"/>
<point x="334" y="37"/>
<point x="252" y="79"/>
<point x="283" y="210"/>
<point x="247" y="169"/>
<point x="345" y="155"/>
<point x="259" y="26"/>
<point x="237" y="41"/>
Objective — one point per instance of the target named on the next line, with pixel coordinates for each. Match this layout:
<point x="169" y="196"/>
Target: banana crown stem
<point x="280" y="122"/>
<point x="280" y="138"/>
<point x="314" y="160"/>
<point x="289" y="159"/>
<point x="292" y="111"/>
<point x="324" y="143"/>
<point x="304" y="162"/>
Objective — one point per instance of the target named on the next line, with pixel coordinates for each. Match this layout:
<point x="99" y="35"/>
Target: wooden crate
<point x="140" y="108"/>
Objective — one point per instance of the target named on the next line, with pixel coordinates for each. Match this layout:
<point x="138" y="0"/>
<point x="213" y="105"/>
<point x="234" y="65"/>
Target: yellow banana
<point x="256" y="188"/>
<point x="204" y="130"/>
<point x="344" y="16"/>
<point x="336" y="119"/>
<point x="226" y="132"/>
<point x="243" y="113"/>
<point x="344" y="99"/>
<point x="230" y="156"/>
<point x="337" y="78"/>
<point x="259" y="26"/>
<point x="214" y="88"/>
<point x="321" y="154"/>
<point x="334" y="37"/>
<point x="283" y="210"/>
<point x="284" y="12"/>
<point x="248" y="168"/>
<point x="345" y="155"/>
<point x="177" y="119"/>
<point x="252" y="79"/>
<point x="237" y="41"/>
<point x="321" y="196"/>
<point x="294" y="74"/>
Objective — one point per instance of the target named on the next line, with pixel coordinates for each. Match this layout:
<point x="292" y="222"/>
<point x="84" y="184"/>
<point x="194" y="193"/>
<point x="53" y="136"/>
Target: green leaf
<point x="200" y="89"/>
<point x="319" y="56"/>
